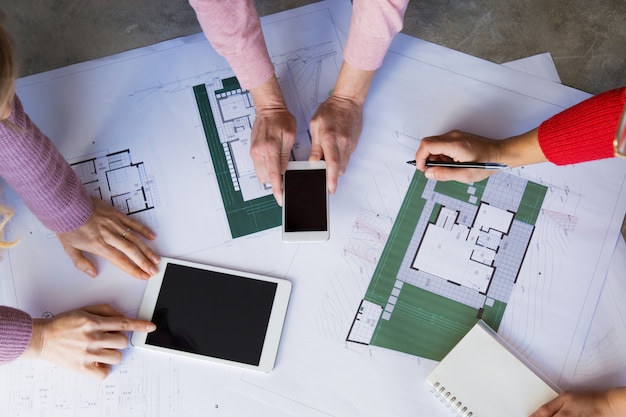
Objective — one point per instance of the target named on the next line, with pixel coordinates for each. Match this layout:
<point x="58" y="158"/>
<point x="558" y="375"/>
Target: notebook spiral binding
<point x="450" y="400"/>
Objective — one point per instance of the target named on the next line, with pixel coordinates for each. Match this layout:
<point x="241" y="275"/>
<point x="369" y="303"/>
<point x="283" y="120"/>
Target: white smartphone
<point x="305" y="202"/>
<point x="214" y="314"/>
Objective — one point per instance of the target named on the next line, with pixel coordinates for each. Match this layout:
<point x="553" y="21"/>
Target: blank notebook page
<point x="482" y="377"/>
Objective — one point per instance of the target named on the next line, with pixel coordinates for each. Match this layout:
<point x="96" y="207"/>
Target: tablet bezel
<point x="274" y="327"/>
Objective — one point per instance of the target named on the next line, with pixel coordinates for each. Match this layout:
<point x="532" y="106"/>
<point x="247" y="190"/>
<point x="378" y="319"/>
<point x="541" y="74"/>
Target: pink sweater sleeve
<point x="233" y="28"/>
<point x="373" y="25"/>
<point x="16" y="328"/>
<point x="33" y="167"/>
<point x="584" y="132"/>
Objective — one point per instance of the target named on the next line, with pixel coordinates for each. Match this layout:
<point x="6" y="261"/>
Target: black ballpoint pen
<point x="452" y="164"/>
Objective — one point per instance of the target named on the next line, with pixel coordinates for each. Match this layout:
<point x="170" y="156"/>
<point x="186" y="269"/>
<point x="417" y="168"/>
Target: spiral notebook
<point x="483" y="376"/>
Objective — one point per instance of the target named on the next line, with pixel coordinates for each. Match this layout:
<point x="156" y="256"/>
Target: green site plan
<point x="452" y="258"/>
<point x="226" y="108"/>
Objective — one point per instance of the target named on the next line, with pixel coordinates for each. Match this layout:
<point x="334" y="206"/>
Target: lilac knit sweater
<point x="31" y="165"/>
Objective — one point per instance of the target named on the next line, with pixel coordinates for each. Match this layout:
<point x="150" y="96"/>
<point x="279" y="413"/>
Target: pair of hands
<point x="88" y="340"/>
<point x="335" y="128"/>
<point x="609" y="403"/>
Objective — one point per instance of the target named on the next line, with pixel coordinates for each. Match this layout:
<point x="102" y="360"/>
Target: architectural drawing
<point x="227" y="113"/>
<point x="463" y="249"/>
<point x="116" y="178"/>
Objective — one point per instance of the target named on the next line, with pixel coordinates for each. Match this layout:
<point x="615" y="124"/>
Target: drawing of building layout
<point x="453" y="257"/>
<point x="115" y="178"/>
<point x="227" y="114"/>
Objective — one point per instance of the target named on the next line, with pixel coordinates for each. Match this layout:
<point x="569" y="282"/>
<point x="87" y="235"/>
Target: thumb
<point x="80" y="261"/>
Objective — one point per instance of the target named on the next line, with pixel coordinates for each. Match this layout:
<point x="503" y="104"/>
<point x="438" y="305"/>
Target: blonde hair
<point x="8" y="75"/>
<point x="8" y="66"/>
<point x="5" y="215"/>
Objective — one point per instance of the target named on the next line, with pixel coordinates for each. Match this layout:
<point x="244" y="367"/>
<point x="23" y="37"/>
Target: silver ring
<point x="125" y="231"/>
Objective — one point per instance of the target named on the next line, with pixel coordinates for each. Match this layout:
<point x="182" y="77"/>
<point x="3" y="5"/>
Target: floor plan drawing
<point x="227" y="114"/>
<point x="116" y="178"/>
<point x="463" y="247"/>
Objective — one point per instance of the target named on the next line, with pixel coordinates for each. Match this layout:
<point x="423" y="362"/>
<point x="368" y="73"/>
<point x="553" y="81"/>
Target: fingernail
<point x="429" y="174"/>
<point x="91" y="273"/>
<point x="150" y="327"/>
<point x="155" y="259"/>
<point x="153" y="270"/>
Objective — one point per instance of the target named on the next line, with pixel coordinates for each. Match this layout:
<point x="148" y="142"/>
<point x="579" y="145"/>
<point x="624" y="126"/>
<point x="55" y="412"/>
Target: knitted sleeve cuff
<point x="16" y="328"/>
<point x="584" y="132"/>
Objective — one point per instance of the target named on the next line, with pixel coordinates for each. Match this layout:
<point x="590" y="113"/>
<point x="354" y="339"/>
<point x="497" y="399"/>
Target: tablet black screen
<point x="213" y="314"/>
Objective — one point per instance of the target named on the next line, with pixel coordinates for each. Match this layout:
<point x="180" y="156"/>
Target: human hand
<point x="457" y="146"/>
<point x="335" y="130"/>
<point x="273" y="136"/>
<point x="114" y="236"/>
<point x="87" y="340"/>
<point x="610" y="403"/>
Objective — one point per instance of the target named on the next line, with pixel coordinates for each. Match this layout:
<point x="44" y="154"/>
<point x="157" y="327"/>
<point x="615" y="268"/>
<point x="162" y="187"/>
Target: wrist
<point x="353" y="84"/>
<point x="268" y="95"/>
<point x="520" y="150"/>
<point x="35" y="345"/>
<point x="616" y="398"/>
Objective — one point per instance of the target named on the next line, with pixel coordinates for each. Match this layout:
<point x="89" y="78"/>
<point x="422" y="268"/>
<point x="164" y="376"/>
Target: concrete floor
<point x="587" y="39"/>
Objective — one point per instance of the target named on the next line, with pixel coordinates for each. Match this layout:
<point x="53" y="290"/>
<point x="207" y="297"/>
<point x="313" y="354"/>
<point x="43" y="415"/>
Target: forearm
<point x="33" y="167"/>
<point x="353" y="83"/>
<point x="372" y="28"/>
<point x="518" y="150"/>
<point x="234" y="30"/>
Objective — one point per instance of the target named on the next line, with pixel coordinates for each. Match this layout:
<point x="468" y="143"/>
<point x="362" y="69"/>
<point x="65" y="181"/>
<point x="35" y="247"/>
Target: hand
<point x="611" y="403"/>
<point x="273" y="136"/>
<point x="87" y="340"/>
<point x="337" y="123"/>
<point x="114" y="236"/>
<point x="335" y="130"/>
<point x="459" y="147"/>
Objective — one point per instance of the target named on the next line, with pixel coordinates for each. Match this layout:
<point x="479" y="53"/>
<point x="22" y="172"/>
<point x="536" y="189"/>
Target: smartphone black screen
<point x="305" y="200"/>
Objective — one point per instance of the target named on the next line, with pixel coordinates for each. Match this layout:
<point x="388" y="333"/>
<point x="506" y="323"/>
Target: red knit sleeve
<point x="584" y="132"/>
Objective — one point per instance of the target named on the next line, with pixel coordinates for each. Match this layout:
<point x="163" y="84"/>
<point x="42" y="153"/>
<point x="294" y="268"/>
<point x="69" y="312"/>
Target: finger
<point x="106" y="357"/>
<point x="107" y="340"/>
<point x="103" y="310"/>
<point x="138" y="227"/>
<point x="79" y="260"/>
<point x="97" y="370"/>
<point x="124" y="324"/>
<point x="550" y="408"/>
<point x="465" y="175"/>
<point x="333" y="167"/>
<point x="275" y="175"/>
<point x="139" y="252"/>
<point x="120" y="260"/>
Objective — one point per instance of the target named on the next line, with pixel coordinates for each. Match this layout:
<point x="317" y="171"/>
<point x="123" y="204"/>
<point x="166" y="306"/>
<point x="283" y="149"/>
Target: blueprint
<point x="227" y="114"/>
<point x="131" y="126"/>
<point x="420" y="304"/>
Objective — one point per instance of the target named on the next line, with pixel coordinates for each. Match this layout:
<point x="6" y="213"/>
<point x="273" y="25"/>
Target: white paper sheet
<point x="142" y="100"/>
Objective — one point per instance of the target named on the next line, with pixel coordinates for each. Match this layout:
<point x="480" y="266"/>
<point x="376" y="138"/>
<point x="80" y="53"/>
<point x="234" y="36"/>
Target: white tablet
<point x="214" y="314"/>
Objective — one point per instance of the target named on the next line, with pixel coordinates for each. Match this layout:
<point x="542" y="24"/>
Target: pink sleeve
<point x="584" y="132"/>
<point x="32" y="166"/>
<point x="233" y="28"/>
<point x="372" y="28"/>
<point x="16" y="328"/>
